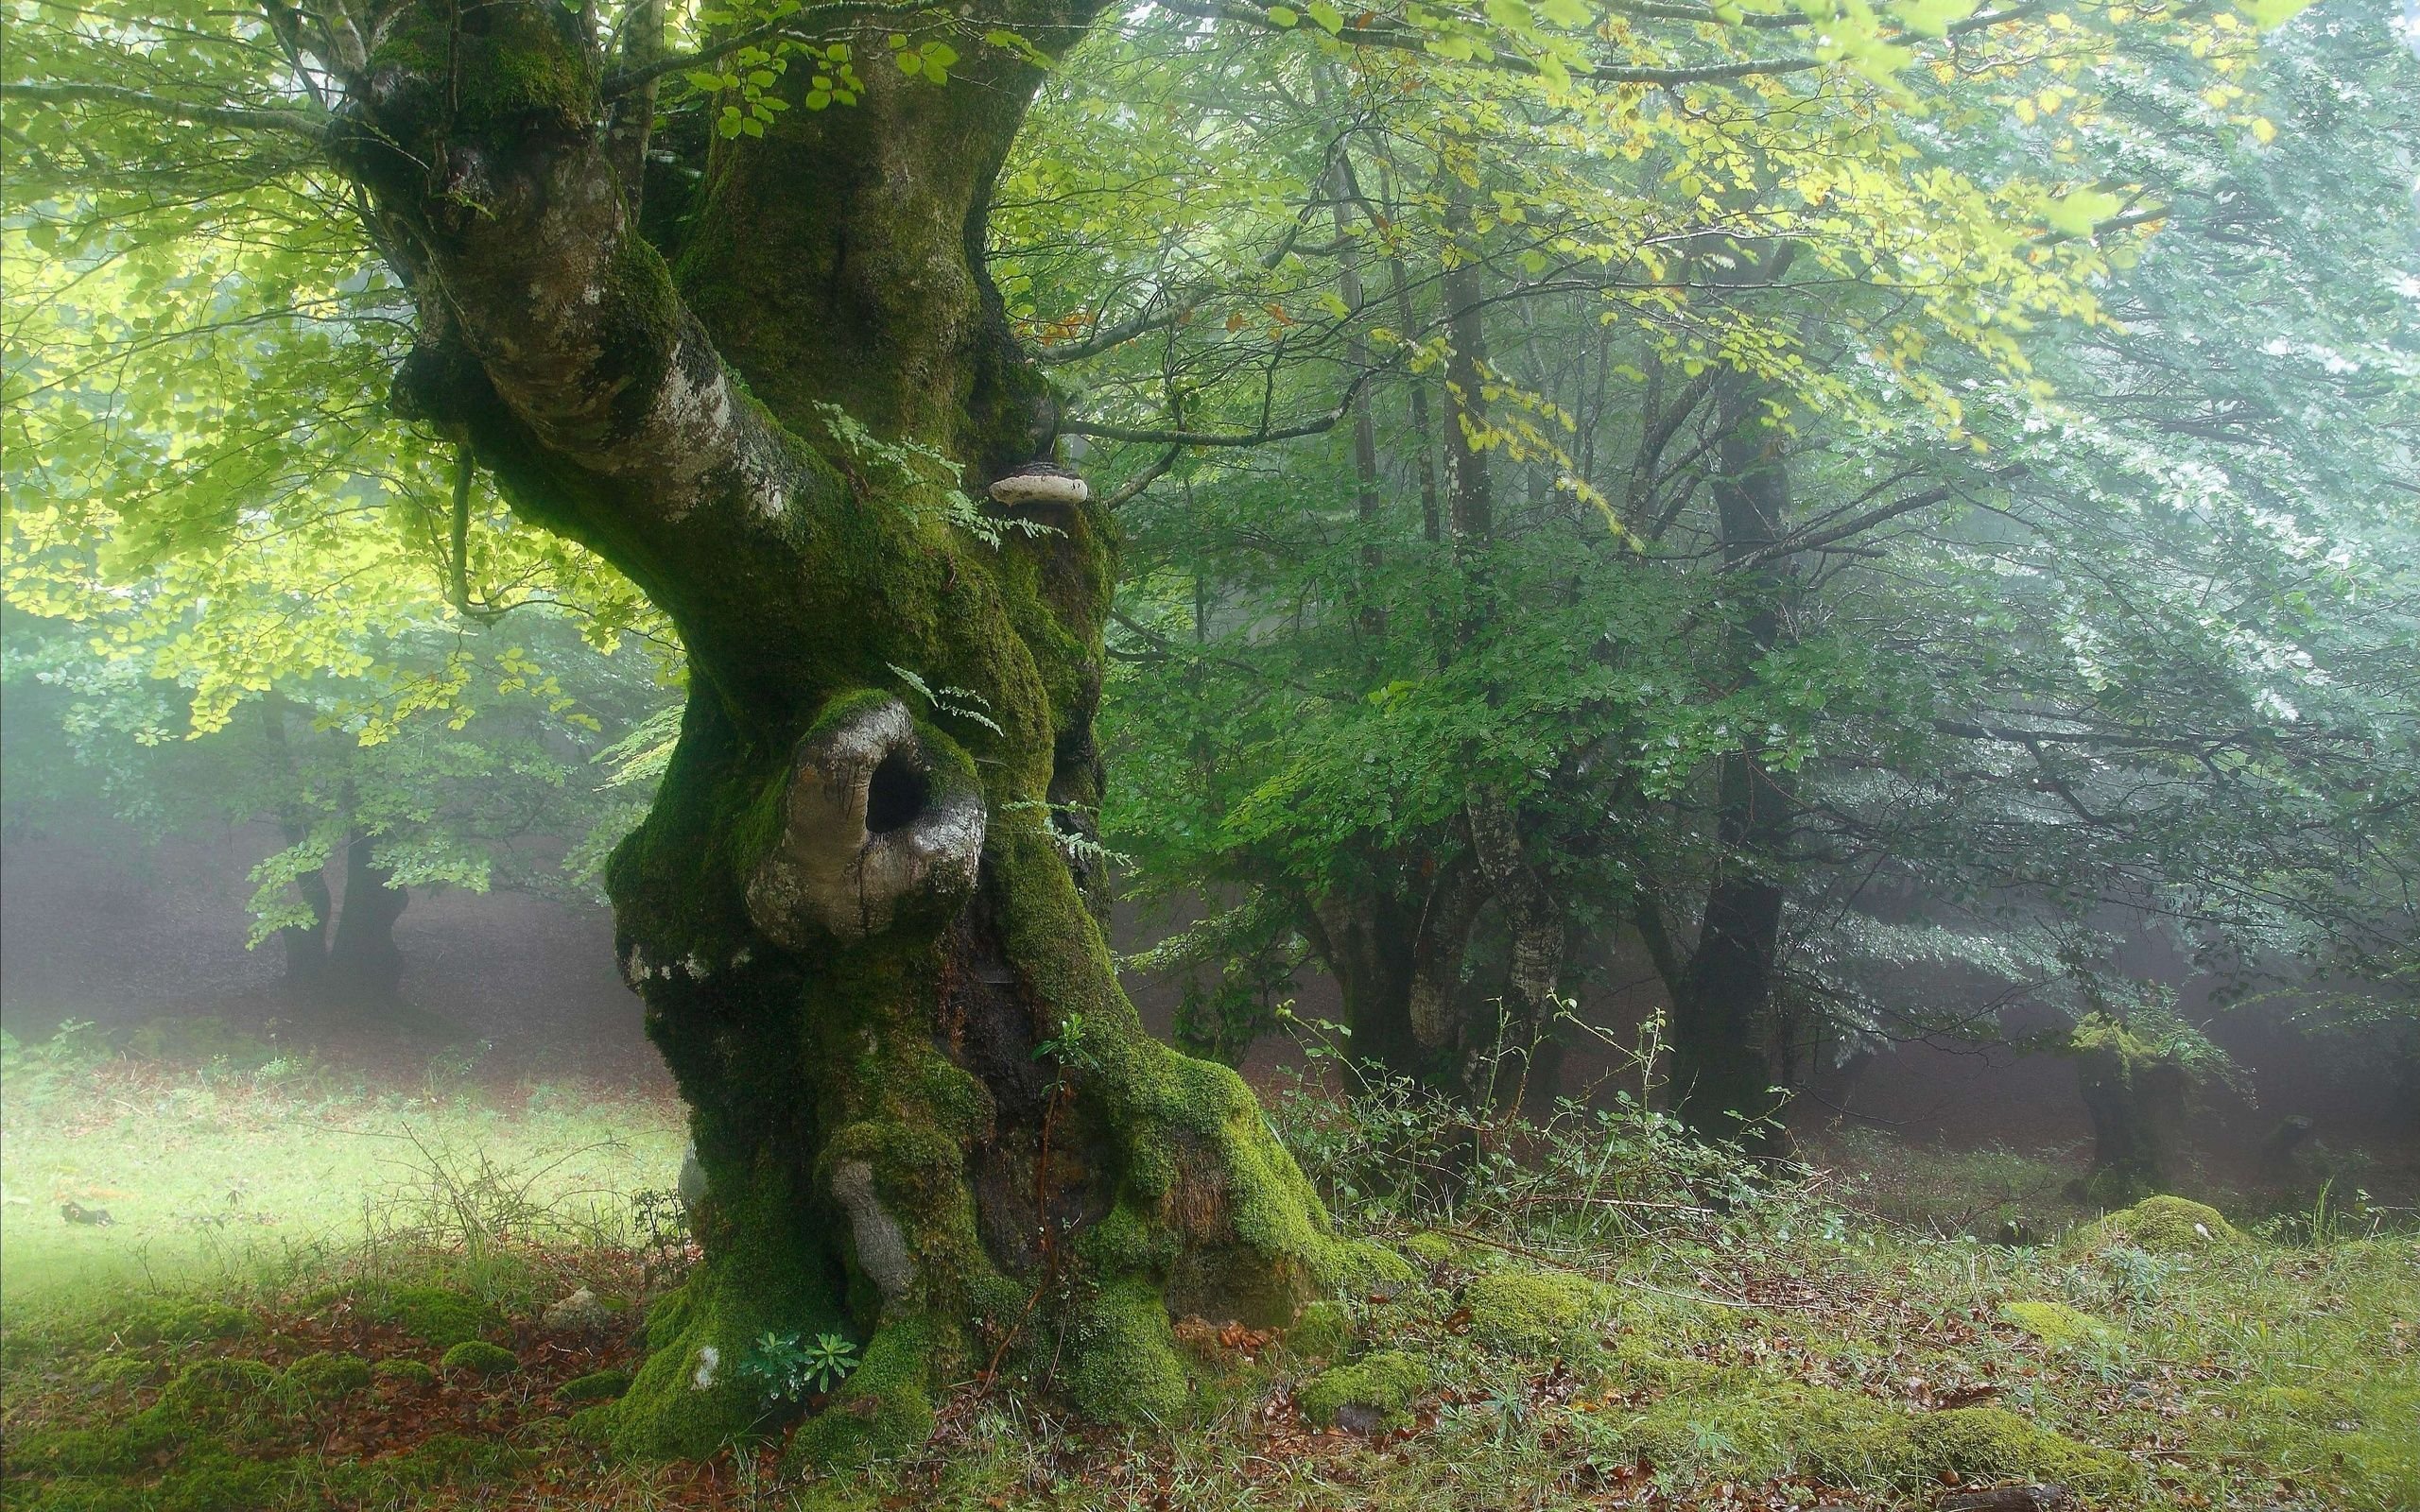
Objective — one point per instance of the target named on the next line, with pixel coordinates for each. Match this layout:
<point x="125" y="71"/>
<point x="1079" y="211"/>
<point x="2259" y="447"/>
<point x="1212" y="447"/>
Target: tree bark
<point x="928" y="1116"/>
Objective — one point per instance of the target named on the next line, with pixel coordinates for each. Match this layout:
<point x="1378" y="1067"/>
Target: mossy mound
<point x="598" y="1385"/>
<point x="883" y="1409"/>
<point x="407" y="1479"/>
<point x="2057" y="1324"/>
<point x="118" y="1372"/>
<point x="1370" y="1394"/>
<point x="1531" y="1309"/>
<point x="1127" y="1367"/>
<point x="480" y="1358"/>
<point x="1429" y="1249"/>
<point x="78" y="1494"/>
<point x="437" y="1314"/>
<point x="326" y="1377"/>
<point x="1991" y="1443"/>
<point x="220" y="1482"/>
<point x="216" y="1390"/>
<point x="405" y="1372"/>
<point x="1323" y="1332"/>
<point x="177" y="1320"/>
<point x="2168" y="1225"/>
<point x="1746" y="1425"/>
<point x="83" y="1451"/>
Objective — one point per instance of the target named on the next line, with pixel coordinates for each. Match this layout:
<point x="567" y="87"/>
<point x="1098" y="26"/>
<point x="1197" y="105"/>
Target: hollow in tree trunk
<point x="928" y="1117"/>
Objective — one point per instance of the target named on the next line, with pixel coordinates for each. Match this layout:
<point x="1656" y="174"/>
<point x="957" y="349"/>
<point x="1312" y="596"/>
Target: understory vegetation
<point x="1600" y="1313"/>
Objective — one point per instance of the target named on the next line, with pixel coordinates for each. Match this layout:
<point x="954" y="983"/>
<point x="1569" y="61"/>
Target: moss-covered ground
<point x="1783" y="1352"/>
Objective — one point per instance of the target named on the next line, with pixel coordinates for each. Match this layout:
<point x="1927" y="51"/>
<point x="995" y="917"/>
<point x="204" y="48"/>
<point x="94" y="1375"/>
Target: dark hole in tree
<point x="894" y="795"/>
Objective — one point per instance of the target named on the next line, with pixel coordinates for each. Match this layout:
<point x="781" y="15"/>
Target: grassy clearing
<point x="221" y="1171"/>
<point x="1610" y="1319"/>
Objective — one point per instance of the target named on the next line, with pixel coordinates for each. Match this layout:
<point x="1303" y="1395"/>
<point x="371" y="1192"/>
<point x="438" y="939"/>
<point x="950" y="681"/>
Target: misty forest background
<point x="1862" y="619"/>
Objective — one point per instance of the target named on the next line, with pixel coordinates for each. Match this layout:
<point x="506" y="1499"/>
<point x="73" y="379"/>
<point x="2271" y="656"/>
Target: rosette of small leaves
<point x="786" y="1369"/>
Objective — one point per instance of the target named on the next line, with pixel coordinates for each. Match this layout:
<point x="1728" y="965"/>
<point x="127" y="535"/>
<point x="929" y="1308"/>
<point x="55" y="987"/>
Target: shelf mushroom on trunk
<point x="1038" y="487"/>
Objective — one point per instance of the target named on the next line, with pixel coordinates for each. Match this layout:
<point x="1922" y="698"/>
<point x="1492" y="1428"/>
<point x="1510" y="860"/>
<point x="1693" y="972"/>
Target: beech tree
<point x="709" y="297"/>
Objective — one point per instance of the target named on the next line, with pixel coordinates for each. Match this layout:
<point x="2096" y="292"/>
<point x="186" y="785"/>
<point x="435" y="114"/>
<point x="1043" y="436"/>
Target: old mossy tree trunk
<point x="929" y="1117"/>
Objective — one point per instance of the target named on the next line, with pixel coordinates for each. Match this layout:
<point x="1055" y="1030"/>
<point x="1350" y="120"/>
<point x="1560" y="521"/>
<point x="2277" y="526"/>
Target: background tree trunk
<point x="927" y="1115"/>
<point x="306" y="945"/>
<point x="364" y="968"/>
<point x="2135" y="1105"/>
<point x="1723" y="1027"/>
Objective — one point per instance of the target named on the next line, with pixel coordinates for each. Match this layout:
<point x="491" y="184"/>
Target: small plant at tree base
<point x="1067" y="1047"/>
<point x="789" y="1371"/>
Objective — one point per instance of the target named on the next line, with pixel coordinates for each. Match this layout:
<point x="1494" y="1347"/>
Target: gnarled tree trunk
<point x="928" y="1116"/>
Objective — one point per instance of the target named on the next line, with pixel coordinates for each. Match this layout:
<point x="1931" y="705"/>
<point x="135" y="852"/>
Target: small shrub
<point x="787" y="1368"/>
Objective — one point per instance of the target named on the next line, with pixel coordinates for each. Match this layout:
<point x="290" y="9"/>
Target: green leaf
<point x="1933" y="18"/>
<point x="1326" y="16"/>
<point x="1281" y="16"/>
<point x="1513" y="15"/>
<point x="2076" y="214"/>
<point x="2270" y="15"/>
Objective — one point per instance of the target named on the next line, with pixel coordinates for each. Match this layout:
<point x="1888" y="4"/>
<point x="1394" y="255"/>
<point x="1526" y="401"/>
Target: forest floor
<point x="318" y="1289"/>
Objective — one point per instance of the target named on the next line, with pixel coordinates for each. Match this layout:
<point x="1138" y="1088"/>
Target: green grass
<point x="1782" y="1345"/>
<point x="214" y="1176"/>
